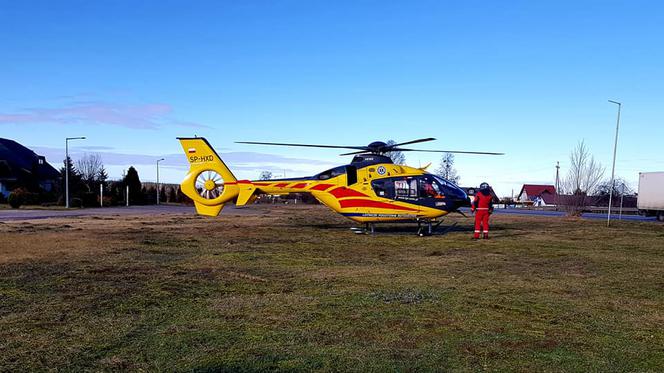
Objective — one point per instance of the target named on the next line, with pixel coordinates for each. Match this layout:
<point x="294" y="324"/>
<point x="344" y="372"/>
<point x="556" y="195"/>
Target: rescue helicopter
<point x="371" y="189"/>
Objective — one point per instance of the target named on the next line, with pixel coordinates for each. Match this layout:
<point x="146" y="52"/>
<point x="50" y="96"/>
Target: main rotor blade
<point x="302" y="145"/>
<point x="445" y="151"/>
<point x="413" y="142"/>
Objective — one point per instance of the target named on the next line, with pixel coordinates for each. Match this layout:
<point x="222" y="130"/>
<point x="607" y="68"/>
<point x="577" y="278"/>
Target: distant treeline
<point x="87" y="180"/>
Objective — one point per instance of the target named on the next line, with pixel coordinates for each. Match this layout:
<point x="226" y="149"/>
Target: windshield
<point x="450" y="189"/>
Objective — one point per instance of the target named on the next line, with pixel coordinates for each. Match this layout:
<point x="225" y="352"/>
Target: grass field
<point x="293" y="289"/>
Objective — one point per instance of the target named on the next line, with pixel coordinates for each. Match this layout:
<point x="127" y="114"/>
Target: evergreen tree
<point x="116" y="192"/>
<point x="149" y="195"/>
<point x="75" y="181"/>
<point x="102" y="176"/>
<point x="182" y="198"/>
<point x="172" y="195"/>
<point x="135" y="187"/>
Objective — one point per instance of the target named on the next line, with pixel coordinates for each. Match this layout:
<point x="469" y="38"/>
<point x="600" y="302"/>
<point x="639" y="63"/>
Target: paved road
<point x="587" y="215"/>
<point x="10" y="214"/>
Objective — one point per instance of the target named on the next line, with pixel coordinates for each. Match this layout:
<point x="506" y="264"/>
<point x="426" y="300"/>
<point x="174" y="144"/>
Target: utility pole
<point x="613" y="168"/>
<point x="158" y="160"/>
<point x="512" y="199"/>
<point x="101" y="194"/>
<point x="67" y="167"/>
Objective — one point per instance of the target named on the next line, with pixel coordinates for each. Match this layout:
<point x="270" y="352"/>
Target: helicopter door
<point x="351" y="175"/>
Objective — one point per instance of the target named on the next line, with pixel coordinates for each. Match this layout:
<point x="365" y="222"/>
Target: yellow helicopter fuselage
<point x="370" y="189"/>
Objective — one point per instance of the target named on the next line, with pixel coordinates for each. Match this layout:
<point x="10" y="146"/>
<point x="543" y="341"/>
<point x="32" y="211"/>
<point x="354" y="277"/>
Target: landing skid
<point x="369" y="228"/>
<point x="424" y="228"/>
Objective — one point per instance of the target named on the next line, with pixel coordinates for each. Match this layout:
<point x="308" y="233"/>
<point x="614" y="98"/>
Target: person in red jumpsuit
<point x="482" y="207"/>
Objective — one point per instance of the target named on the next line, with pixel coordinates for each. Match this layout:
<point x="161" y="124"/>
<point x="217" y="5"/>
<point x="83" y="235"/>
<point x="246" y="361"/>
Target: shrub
<point x="76" y="202"/>
<point x="30" y="198"/>
<point x="17" y="198"/>
<point x="108" y="201"/>
<point x="90" y="199"/>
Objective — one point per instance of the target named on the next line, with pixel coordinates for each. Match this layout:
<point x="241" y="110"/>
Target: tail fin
<point x="209" y="182"/>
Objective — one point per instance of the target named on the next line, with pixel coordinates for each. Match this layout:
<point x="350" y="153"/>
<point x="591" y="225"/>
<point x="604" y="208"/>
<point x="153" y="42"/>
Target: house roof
<point x="534" y="190"/>
<point x="548" y="198"/>
<point x="17" y="157"/>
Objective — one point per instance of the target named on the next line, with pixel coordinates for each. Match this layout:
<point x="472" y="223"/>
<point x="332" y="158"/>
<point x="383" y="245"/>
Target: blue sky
<point x="528" y="78"/>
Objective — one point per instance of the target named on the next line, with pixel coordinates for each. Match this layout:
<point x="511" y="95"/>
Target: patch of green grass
<point x="296" y="290"/>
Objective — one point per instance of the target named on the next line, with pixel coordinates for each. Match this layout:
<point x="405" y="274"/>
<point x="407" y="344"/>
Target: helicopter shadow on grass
<point x="398" y="228"/>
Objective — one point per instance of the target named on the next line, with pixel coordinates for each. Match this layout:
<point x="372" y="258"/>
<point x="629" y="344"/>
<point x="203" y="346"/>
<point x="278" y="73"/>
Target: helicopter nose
<point x="459" y="203"/>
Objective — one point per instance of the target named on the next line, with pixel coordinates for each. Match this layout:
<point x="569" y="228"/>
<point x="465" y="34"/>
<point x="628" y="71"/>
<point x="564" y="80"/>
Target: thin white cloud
<point x="145" y="116"/>
<point x="235" y="160"/>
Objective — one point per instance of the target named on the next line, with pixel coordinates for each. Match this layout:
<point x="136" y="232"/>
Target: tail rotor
<point x="209" y="183"/>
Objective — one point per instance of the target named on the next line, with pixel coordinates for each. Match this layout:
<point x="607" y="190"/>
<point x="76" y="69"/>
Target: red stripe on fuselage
<point x="343" y="192"/>
<point x="322" y="187"/>
<point x="369" y="203"/>
<point x="299" y="186"/>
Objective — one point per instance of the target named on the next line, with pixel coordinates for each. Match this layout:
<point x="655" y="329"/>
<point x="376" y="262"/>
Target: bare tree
<point x="446" y="169"/>
<point x="583" y="178"/>
<point x="620" y="188"/>
<point x="585" y="173"/>
<point x="397" y="156"/>
<point x="265" y="175"/>
<point x="90" y="166"/>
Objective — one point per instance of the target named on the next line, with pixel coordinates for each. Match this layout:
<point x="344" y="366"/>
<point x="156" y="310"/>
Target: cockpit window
<point x="331" y="173"/>
<point x="416" y="188"/>
<point x="450" y="189"/>
<point x="429" y="188"/>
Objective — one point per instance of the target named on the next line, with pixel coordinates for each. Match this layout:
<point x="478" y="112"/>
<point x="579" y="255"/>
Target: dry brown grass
<point x="293" y="289"/>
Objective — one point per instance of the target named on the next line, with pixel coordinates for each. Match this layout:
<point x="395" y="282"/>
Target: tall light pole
<point x="613" y="168"/>
<point x="622" y="197"/>
<point x="158" y="186"/>
<point x="67" y="167"/>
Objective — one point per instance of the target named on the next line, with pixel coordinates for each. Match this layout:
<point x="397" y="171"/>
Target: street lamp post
<point x="622" y="196"/>
<point x="158" y="186"/>
<point x="613" y="168"/>
<point x="67" y="167"/>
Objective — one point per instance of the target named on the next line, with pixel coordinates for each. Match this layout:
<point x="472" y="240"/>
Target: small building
<point x="537" y="195"/>
<point x="21" y="167"/>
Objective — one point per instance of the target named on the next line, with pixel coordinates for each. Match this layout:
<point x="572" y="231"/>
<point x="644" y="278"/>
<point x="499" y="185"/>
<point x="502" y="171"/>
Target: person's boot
<point x="486" y="236"/>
